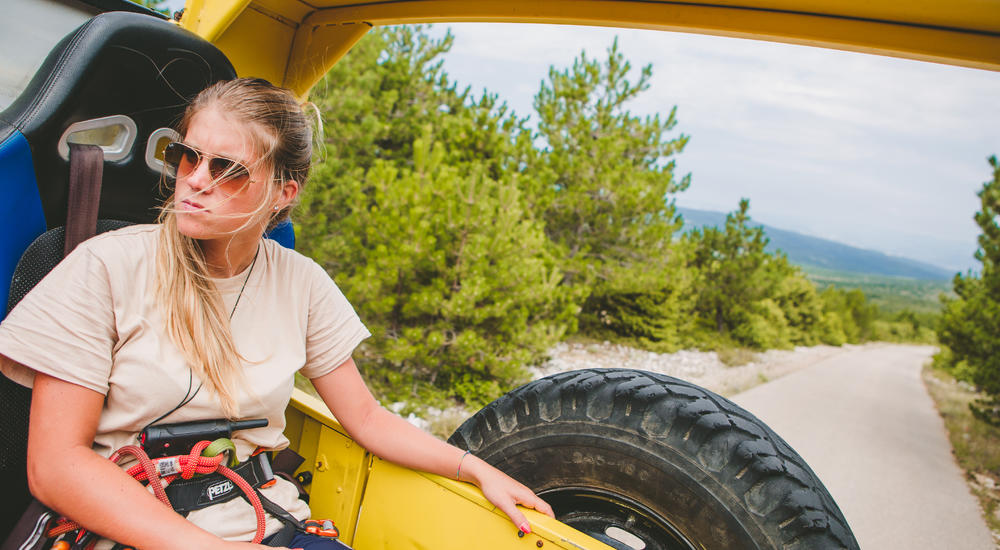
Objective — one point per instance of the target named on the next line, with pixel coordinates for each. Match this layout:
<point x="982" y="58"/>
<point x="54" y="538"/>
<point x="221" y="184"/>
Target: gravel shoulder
<point x="699" y="367"/>
<point x="703" y="368"/>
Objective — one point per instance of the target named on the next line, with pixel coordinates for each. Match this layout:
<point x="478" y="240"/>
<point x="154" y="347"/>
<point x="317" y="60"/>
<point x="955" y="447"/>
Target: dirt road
<point x="865" y="423"/>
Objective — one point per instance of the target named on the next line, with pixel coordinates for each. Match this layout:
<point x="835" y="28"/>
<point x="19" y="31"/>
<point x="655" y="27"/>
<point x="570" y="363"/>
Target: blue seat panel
<point x="21" y="215"/>
<point x="284" y="233"/>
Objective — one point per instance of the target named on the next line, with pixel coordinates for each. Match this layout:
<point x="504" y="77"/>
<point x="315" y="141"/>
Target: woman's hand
<point x="503" y="491"/>
<point x="392" y="438"/>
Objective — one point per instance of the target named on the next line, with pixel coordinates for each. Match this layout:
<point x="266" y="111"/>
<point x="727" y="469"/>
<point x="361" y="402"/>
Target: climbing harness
<point x="160" y="473"/>
<point x="207" y="475"/>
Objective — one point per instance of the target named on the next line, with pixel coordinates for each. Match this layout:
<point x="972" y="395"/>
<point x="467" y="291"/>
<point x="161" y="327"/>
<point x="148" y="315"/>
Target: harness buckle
<point x="322" y="527"/>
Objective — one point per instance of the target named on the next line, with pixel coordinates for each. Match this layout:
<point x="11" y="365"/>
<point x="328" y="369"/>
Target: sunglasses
<point x="182" y="159"/>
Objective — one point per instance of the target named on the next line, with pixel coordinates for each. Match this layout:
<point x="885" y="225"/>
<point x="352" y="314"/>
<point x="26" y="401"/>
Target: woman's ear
<point x="289" y="190"/>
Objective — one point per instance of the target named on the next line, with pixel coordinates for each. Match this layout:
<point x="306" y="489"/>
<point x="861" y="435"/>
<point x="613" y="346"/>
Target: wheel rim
<point x="614" y="519"/>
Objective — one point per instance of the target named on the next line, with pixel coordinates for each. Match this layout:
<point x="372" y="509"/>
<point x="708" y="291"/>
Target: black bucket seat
<point x="120" y="81"/>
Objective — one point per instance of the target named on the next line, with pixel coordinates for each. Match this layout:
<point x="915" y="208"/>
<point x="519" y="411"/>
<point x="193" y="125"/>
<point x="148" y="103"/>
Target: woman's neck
<point x="229" y="258"/>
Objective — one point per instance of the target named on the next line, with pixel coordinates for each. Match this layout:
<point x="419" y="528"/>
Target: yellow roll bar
<point x="295" y="43"/>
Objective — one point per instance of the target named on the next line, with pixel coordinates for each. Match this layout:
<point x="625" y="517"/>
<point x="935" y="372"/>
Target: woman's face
<point x="211" y="208"/>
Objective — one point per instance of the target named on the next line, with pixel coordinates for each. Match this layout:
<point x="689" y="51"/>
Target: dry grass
<point x="736" y="357"/>
<point x="976" y="444"/>
<point x="447" y="422"/>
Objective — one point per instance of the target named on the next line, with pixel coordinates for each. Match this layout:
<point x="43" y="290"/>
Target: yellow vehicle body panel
<point x="339" y="465"/>
<point x="407" y="510"/>
<point x="294" y="43"/>
<point x="377" y="504"/>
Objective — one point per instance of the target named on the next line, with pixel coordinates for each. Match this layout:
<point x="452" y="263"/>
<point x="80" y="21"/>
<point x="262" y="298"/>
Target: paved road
<point x="866" y="425"/>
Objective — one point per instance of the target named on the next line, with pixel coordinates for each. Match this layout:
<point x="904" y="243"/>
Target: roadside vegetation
<point x="969" y="330"/>
<point x="976" y="444"/>
<point x="908" y="309"/>
<point x="471" y="241"/>
<point x="964" y="377"/>
<point x="891" y="294"/>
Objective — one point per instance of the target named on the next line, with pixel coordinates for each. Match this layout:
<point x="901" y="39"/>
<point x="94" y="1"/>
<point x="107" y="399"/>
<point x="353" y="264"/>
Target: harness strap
<point x="86" y="168"/>
<point x="279" y="512"/>
<point x="187" y="495"/>
<point x="282" y="537"/>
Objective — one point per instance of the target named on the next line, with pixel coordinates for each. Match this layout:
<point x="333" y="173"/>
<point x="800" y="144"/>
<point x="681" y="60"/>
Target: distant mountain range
<point x="809" y="251"/>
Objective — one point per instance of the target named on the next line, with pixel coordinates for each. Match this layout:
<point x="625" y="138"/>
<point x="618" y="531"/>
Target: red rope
<point x="185" y="467"/>
<point x="258" y="508"/>
<point x="62" y="526"/>
<point x="147" y="467"/>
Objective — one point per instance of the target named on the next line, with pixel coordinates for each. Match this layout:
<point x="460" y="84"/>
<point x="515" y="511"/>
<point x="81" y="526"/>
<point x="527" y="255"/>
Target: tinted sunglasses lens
<point x="223" y="168"/>
<point x="179" y="158"/>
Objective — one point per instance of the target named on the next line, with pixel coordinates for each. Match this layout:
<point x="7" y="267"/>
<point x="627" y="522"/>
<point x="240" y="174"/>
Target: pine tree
<point x="970" y="324"/>
<point x="802" y="308"/>
<point x="602" y="182"/>
<point x="729" y="262"/>
<point x="746" y="294"/>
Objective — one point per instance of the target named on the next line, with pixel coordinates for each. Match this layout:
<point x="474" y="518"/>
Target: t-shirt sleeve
<point x="65" y="326"/>
<point x="334" y="328"/>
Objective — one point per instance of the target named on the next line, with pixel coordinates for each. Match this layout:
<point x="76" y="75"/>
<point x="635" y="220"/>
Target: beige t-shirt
<point x="94" y="321"/>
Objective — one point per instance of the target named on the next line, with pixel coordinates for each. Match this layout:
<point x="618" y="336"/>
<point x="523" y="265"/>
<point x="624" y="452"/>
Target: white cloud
<point x="878" y="152"/>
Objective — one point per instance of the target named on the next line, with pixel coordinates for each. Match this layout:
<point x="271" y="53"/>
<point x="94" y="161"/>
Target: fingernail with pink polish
<point x="525" y="528"/>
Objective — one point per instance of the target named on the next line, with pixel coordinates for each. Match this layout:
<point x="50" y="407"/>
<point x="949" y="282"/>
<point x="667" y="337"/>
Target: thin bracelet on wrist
<point x="458" y="474"/>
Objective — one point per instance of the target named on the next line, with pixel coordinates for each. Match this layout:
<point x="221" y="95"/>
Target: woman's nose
<point x="200" y="179"/>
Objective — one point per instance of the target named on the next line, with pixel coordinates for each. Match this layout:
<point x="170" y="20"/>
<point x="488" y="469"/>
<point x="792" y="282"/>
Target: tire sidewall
<point x="559" y="455"/>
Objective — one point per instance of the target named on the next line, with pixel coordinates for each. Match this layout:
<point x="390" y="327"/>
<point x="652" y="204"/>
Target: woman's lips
<point x="190" y="205"/>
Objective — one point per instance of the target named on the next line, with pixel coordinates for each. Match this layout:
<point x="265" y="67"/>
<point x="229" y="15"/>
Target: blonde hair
<point x="194" y="314"/>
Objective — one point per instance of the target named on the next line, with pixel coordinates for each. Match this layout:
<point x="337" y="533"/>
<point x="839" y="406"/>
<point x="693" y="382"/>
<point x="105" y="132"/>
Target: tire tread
<point x="730" y="444"/>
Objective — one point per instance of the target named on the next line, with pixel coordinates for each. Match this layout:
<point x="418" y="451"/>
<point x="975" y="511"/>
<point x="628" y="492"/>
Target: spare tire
<point x="645" y="461"/>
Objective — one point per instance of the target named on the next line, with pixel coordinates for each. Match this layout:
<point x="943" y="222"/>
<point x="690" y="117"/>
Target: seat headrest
<point x="119" y="64"/>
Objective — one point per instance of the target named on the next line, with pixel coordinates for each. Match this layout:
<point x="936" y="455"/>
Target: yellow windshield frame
<point x="295" y="44"/>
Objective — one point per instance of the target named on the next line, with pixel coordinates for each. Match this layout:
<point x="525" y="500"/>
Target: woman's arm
<point x="392" y="438"/>
<point x="68" y="476"/>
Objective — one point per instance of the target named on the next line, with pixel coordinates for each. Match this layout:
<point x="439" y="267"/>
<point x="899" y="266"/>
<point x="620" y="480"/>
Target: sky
<point x="871" y="151"/>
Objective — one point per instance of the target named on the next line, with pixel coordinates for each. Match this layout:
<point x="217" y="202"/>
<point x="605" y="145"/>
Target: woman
<point x="199" y="317"/>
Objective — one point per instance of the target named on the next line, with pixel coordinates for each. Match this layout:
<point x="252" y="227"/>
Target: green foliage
<point x="602" y="183"/>
<point x="801" y="307"/>
<point x="604" y="180"/>
<point x="470" y="244"/>
<point x="425" y="230"/>
<point x="891" y="294"/>
<point x="741" y="288"/>
<point x="855" y="316"/>
<point x="730" y="264"/>
<point x="465" y="295"/>
<point x="750" y="297"/>
<point x="762" y="326"/>
<point x="831" y="329"/>
<point x="970" y="323"/>
<point x="655" y="315"/>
